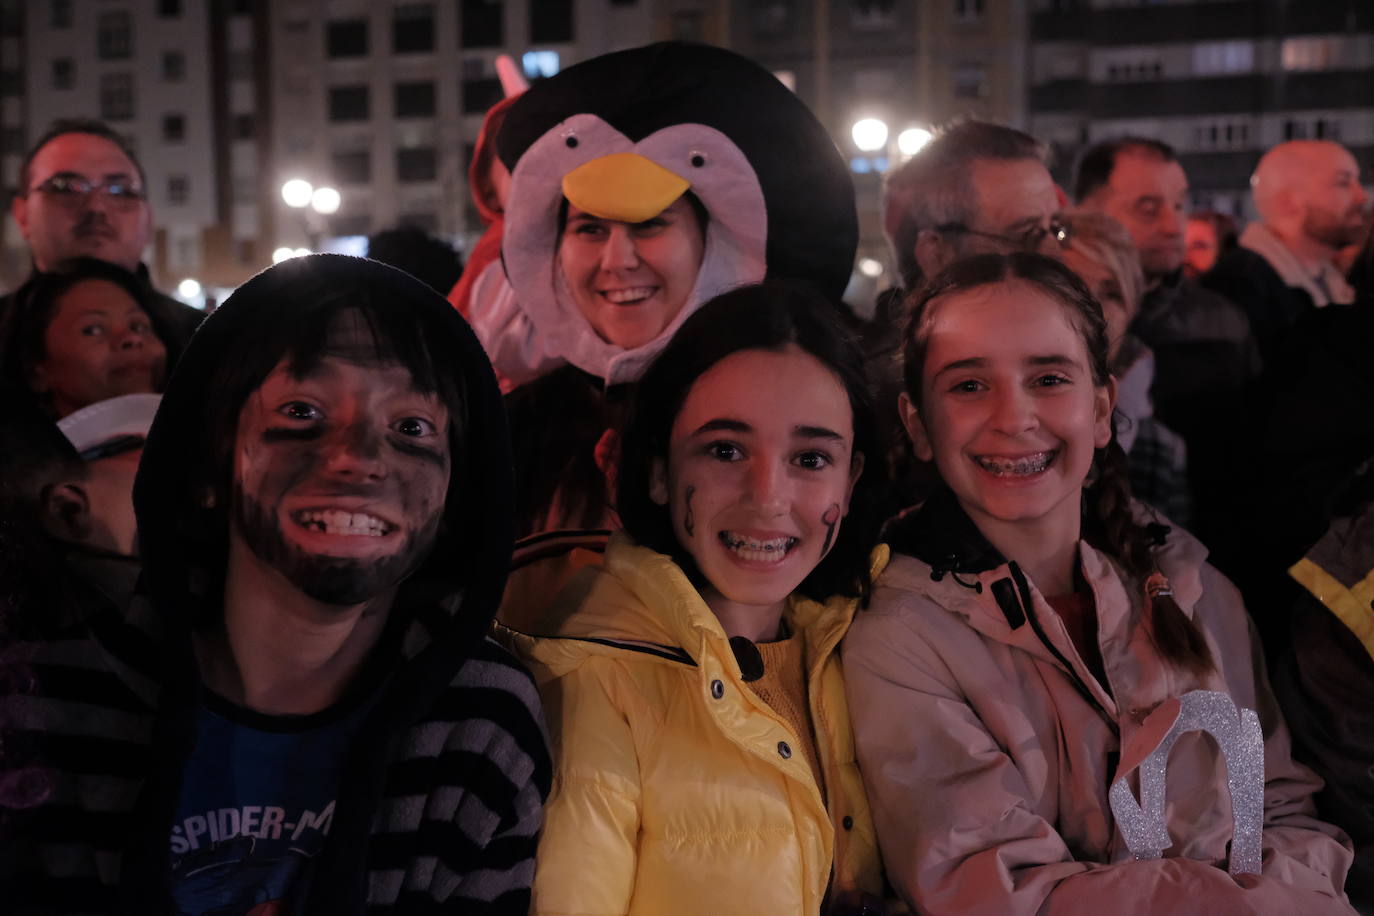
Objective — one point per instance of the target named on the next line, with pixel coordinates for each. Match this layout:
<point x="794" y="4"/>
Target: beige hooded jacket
<point x="988" y="754"/>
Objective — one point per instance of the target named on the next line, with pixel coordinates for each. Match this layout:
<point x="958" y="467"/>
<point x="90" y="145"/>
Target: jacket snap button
<point x="847" y="823"/>
<point x="783" y="750"/>
<point x="717" y="689"/>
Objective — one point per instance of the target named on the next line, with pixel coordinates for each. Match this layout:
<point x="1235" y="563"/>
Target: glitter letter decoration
<point x="1238" y="734"/>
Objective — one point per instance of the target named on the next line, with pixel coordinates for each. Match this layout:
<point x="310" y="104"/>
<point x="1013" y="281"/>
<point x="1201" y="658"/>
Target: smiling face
<point x="630" y="280"/>
<point x="340" y="476"/>
<point x="759" y="473"/>
<point x="99" y="344"/>
<point x="60" y="227"/>
<point x="1008" y="409"/>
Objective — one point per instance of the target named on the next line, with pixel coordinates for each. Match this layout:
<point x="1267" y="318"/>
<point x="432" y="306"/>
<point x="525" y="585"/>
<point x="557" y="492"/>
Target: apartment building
<point x="1220" y="80"/>
<point x="384" y="101"/>
<point x="146" y="69"/>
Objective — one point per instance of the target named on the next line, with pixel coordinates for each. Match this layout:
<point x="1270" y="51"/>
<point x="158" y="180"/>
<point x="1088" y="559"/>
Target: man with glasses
<point x="83" y="194"/>
<point x="975" y="187"/>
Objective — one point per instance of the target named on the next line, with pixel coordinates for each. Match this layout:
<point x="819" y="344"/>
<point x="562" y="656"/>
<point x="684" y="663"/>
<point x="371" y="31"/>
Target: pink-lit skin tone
<point x="758" y="478"/>
<point x="340" y="478"/>
<point x="346" y="438"/>
<point x="97" y="228"/>
<point x="99" y="344"/>
<point x="1011" y="416"/>
<point x="1149" y="196"/>
<point x="630" y="280"/>
<point x="1200" y="240"/>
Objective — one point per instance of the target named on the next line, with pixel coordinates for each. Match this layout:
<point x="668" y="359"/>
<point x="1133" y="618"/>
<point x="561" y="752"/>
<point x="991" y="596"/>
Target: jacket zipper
<point x="1028" y="608"/>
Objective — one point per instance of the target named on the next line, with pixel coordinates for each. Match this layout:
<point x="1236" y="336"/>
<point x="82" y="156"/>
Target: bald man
<point x="1311" y="205"/>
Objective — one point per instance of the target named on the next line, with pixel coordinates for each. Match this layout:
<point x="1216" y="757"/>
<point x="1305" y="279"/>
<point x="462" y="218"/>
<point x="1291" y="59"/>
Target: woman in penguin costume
<point x="644" y="182"/>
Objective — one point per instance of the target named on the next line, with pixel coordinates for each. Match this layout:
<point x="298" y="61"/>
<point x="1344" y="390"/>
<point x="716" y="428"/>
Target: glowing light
<point x="188" y="289"/>
<point x="300" y="252"/>
<point x="912" y="139"/>
<point x="326" y="200"/>
<point x="281" y="254"/>
<point x="297" y="192"/>
<point x="869" y="134"/>
<point x="870" y="267"/>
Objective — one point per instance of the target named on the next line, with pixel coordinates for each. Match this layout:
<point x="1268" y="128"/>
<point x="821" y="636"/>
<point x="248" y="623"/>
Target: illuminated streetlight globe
<point x="281" y="254"/>
<point x="300" y="252"/>
<point x="297" y="192"/>
<point x="325" y="200"/>
<point x="912" y="139"/>
<point x="188" y="289"/>
<point x="869" y="134"/>
<point x="870" y="267"/>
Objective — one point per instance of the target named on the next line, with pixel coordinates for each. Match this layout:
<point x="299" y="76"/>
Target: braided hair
<point x="1110" y="523"/>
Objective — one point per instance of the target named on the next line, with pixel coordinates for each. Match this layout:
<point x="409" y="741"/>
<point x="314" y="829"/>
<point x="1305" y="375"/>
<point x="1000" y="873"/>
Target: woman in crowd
<point x="704" y="761"/>
<point x="1031" y="620"/>
<point x="83" y="334"/>
<point x="1100" y="251"/>
<point x="642" y="184"/>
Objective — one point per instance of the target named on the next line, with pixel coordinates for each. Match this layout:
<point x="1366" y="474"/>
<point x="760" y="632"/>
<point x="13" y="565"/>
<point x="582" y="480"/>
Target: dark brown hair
<point x="1110" y="524"/>
<point x="768" y="316"/>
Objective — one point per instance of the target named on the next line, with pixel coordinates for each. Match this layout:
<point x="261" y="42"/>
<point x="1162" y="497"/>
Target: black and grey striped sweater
<point x="441" y="814"/>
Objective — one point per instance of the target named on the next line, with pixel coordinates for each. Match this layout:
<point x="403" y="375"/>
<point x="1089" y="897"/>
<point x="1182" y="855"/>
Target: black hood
<point x="181" y="495"/>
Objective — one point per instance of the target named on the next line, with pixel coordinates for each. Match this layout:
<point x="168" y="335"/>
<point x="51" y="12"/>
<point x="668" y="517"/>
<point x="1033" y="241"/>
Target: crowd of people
<point x="644" y="576"/>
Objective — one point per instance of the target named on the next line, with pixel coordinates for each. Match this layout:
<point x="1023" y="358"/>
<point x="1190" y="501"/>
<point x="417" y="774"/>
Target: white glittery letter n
<point x="1238" y="734"/>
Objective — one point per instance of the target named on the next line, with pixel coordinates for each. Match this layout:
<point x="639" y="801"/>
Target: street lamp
<point x="313" y="204"/>
<point x="325" y="200"/>
<point x="870" y="134"/>
<point x="297" y="193"/>
<point x="912" y="139"/>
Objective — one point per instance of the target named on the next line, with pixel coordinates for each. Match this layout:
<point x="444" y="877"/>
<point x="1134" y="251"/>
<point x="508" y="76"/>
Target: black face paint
<point x="344" y="581"/>
<point x="689" y="522"/>
<point x="830" y="519"/>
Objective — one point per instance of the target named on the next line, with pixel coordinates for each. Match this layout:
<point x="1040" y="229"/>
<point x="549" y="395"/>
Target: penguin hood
<point x="624" y="135"/>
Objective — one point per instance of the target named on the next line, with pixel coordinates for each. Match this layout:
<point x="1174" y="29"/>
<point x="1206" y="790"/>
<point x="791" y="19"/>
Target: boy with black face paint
<point x="308" y="711"/>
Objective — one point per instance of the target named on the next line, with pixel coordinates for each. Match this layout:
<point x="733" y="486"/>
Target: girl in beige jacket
<point x="1031" y="620"/>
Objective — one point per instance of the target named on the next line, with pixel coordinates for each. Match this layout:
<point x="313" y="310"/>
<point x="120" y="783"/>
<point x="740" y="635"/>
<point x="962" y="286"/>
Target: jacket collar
<point x="642" y="602"/>
<point x="959" y="570"/>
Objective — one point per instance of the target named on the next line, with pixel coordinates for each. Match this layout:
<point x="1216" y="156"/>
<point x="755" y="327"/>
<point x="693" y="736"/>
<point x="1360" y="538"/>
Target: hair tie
<point x="1157" y="586"/>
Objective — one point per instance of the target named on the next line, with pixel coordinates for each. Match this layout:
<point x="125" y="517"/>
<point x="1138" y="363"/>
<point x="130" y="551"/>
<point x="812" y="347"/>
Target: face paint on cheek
<point x="276" y="467"/>
<point x="689" y="522"/>
<point x="830" y="519"/>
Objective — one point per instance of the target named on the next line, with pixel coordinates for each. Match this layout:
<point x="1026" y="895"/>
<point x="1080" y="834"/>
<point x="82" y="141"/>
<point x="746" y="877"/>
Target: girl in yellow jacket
<point x="704" y="761"/>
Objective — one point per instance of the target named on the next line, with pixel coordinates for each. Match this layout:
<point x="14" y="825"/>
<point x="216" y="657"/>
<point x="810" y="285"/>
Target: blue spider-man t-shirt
<point x="257" y="801"/>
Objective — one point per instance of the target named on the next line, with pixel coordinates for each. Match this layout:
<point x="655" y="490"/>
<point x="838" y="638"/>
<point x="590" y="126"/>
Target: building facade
<point x="384" y="101"/>
<point x="1220" y="80"/>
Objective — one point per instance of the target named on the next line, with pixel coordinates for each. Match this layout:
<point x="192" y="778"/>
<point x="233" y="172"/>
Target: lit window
<point x="1309" y="53"/>
<point x="539" y="64"/>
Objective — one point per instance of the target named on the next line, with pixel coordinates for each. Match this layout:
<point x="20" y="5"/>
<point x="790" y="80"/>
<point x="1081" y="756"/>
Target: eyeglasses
<point x="73" y="191"/>
<point x="1030" y="240"/>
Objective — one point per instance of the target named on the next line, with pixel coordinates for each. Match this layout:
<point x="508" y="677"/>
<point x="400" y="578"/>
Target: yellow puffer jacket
<point x="676" y="789"/>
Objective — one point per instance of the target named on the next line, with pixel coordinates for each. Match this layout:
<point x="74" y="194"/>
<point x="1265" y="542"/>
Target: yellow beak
<point x="623" y="186"/>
